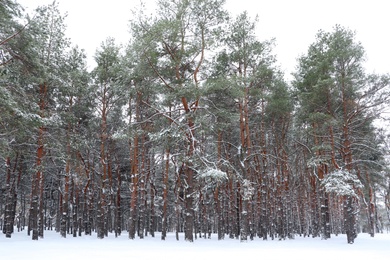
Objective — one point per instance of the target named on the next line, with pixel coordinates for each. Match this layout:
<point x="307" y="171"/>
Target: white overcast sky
<point x="293" y="23"/>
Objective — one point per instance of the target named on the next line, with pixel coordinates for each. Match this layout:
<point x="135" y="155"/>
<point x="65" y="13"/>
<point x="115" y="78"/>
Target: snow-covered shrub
<point x="247" y="189"/>
<point x="342" y="183"/>
<point x="213" y="175"/>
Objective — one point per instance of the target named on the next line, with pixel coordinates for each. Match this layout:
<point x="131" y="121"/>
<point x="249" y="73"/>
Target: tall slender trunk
<point x="370" y="207"/>
<point x="350" y="217"/>
<point x="75" y="208"/>
<point x="263" y="191"/>
<point x="217" y="197"/>
<point x="134" y="190"/>
<point x="118" y="208"/>
<point x="165" y="196"/>
<point x="134" y="175"/>
<point x="109" y="190"/>
<point x="36" y="208"/>
<point x="65" y="200"/>
<point x="165" y="186"/>
<point x="189" y="204"/>
<point x="152" y="210"/>
<point x="102" y="204"/>
<point x="142" y="189"/>
<point x="11" y="197"/>
<point x="245" y="153"/>
<point x="87" y="197"/>
<point x="189" y="175"/>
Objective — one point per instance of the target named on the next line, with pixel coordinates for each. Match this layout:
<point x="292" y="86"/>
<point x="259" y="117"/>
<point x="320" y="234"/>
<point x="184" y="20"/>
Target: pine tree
<point x="333" y="88"/>
<point x="9" y="30"/>
<point x="178" y="62"/>
<point x="109" y="98"/>
<point x="36" y="50"/>
<point x="73" y="107"/>
<point x="246" y="66"/>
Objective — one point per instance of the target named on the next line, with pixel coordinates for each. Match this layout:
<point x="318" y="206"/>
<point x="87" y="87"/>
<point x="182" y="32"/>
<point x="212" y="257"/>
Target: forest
<point x="191" y="128"/>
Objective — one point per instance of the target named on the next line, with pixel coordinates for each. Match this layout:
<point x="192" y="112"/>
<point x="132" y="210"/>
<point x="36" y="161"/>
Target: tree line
<point x="190" y="128"/>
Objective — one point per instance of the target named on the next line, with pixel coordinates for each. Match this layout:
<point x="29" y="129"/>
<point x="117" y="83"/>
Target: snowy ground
<point x="20" y="246"/>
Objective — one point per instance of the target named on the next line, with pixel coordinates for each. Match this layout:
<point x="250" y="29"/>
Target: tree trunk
<point x="142" y="190"/>
<point x="349" y="219"/>
<point x="64" y="208"/>
<point x="87" y="201"/>
<point x="36" y="208"/>
<point x="118" y="208"/>
<point x="244" y="153"/>
<point x="217" y="197"/>
<point x="263" y="191"/>
<point x="152" y="210"/>
<point x="189" y="176"/>
<point x="165" y="195"/>
<point x="75" y="209"/>
<point x="371" y="207"/>
<point x="189" y="205"/>
<point x="218" y="212"/>
<point x="165" y="187"/>
<point x="134" y="175"/>
<point x="102" y="204"/>
<point x="10" y="199"/>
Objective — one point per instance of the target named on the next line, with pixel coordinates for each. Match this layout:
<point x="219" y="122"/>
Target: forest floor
<point x="20" y="246"/>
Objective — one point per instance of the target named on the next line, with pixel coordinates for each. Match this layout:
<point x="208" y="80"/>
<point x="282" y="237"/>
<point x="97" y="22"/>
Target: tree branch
<point x="14" y="35"/>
